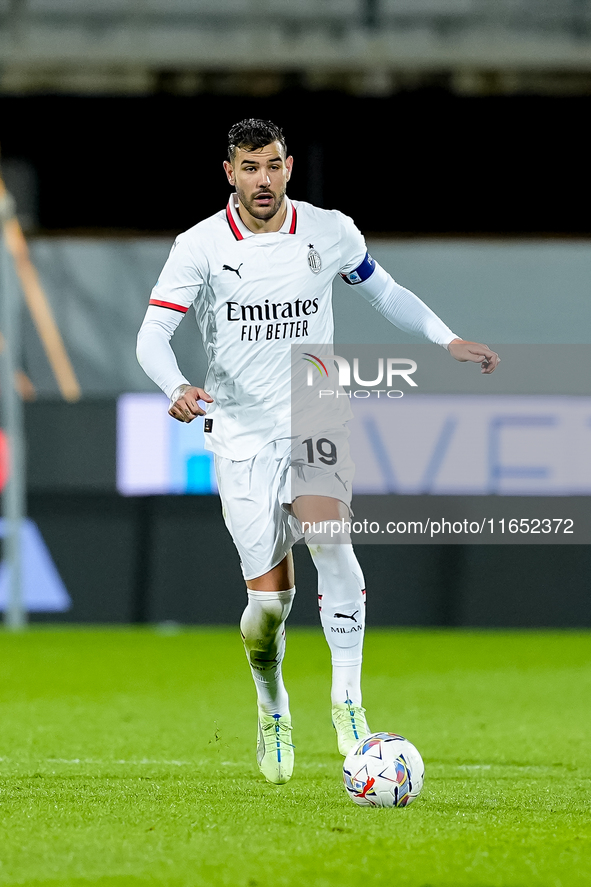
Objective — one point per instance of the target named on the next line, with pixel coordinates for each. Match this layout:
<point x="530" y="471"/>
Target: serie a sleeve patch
<point x="361" y="273"/>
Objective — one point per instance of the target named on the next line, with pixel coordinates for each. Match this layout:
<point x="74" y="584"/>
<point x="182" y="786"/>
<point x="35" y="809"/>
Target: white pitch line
<point x="474" y="766"/>
<point x="147" y="762"/>
<point x="536" y="768"/>
<point x="143" y="762"/>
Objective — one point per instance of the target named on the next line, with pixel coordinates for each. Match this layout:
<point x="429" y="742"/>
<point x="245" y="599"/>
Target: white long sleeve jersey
<point x="254" y="296"/>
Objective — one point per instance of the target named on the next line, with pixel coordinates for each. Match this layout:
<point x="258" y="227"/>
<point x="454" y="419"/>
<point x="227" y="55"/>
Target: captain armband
<point x="361" y="273"/>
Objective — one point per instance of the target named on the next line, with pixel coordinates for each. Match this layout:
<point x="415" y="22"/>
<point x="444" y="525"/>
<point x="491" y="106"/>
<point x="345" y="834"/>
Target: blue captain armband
<point x="362" y="272"/>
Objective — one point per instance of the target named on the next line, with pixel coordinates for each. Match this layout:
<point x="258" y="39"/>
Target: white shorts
<point x="257" y="493"/>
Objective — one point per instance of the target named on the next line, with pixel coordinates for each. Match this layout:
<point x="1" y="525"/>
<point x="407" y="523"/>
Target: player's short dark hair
<point x="253" y="133"/>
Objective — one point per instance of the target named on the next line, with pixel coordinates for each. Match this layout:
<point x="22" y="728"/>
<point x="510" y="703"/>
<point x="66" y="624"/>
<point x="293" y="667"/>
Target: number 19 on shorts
<point x="322" y="449"/>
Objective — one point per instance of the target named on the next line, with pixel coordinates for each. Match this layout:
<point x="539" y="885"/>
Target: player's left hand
<point x="463" y="350"/>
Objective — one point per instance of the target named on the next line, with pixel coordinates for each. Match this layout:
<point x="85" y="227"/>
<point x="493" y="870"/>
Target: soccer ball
<point x="383" y="770"/>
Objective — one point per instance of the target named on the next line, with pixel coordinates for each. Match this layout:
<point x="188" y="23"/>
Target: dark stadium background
<point x="419" y="162"/>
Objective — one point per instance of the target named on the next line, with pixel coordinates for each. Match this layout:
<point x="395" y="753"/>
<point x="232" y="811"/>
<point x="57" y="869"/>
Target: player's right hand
<point x="186" y="404"/>
<point x="464" y="349"/>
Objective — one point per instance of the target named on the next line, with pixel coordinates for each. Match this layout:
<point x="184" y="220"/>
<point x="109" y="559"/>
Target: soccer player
<point x="259" y="276"/>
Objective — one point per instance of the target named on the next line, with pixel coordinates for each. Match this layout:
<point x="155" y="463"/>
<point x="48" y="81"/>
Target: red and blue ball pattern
<point x="383" y="770"/>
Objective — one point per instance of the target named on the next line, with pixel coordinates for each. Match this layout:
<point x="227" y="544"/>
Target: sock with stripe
<point x="341" y="600"/>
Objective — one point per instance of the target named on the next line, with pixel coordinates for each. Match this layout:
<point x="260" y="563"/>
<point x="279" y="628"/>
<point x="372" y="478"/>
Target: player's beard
<point x="264" y="213"/>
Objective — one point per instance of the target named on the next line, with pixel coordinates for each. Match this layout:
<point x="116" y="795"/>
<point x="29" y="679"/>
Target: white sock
<point x="263" y="632"/>
<point x="341" y="600"/>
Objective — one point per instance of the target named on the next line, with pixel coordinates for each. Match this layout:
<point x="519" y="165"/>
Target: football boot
<point x="274" y="748"/>
<point x="350" y="723"/>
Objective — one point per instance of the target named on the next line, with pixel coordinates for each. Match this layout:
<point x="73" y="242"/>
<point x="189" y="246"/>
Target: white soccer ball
<point x="383" y="770"/>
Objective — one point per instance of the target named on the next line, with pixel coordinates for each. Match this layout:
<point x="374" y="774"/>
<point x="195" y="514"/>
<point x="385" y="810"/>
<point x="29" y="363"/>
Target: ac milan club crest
<point x="314" y="260"/>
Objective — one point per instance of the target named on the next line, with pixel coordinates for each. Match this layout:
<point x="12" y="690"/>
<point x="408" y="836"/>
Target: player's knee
<point x="337" y="560"/>
<point x="326" y="558"/>
<point x="264" y="616"/>
<point x="327" y="533"/>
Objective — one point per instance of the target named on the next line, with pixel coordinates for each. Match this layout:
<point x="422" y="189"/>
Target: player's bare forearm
<point x="462" y="350"/>
<point x="184" y="403"/>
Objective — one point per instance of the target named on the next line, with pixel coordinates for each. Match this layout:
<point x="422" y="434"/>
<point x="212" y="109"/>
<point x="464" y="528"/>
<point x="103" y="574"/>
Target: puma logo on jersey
<point x="235" y="270"/>
<point x="345" y="616"/>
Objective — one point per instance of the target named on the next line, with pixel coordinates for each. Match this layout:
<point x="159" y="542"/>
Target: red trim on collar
<point x="234" y="227"/>
<point x="236" y="230"/>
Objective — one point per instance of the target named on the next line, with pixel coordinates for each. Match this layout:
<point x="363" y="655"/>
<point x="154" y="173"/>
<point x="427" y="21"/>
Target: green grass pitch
<point x="127" y="758"/>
